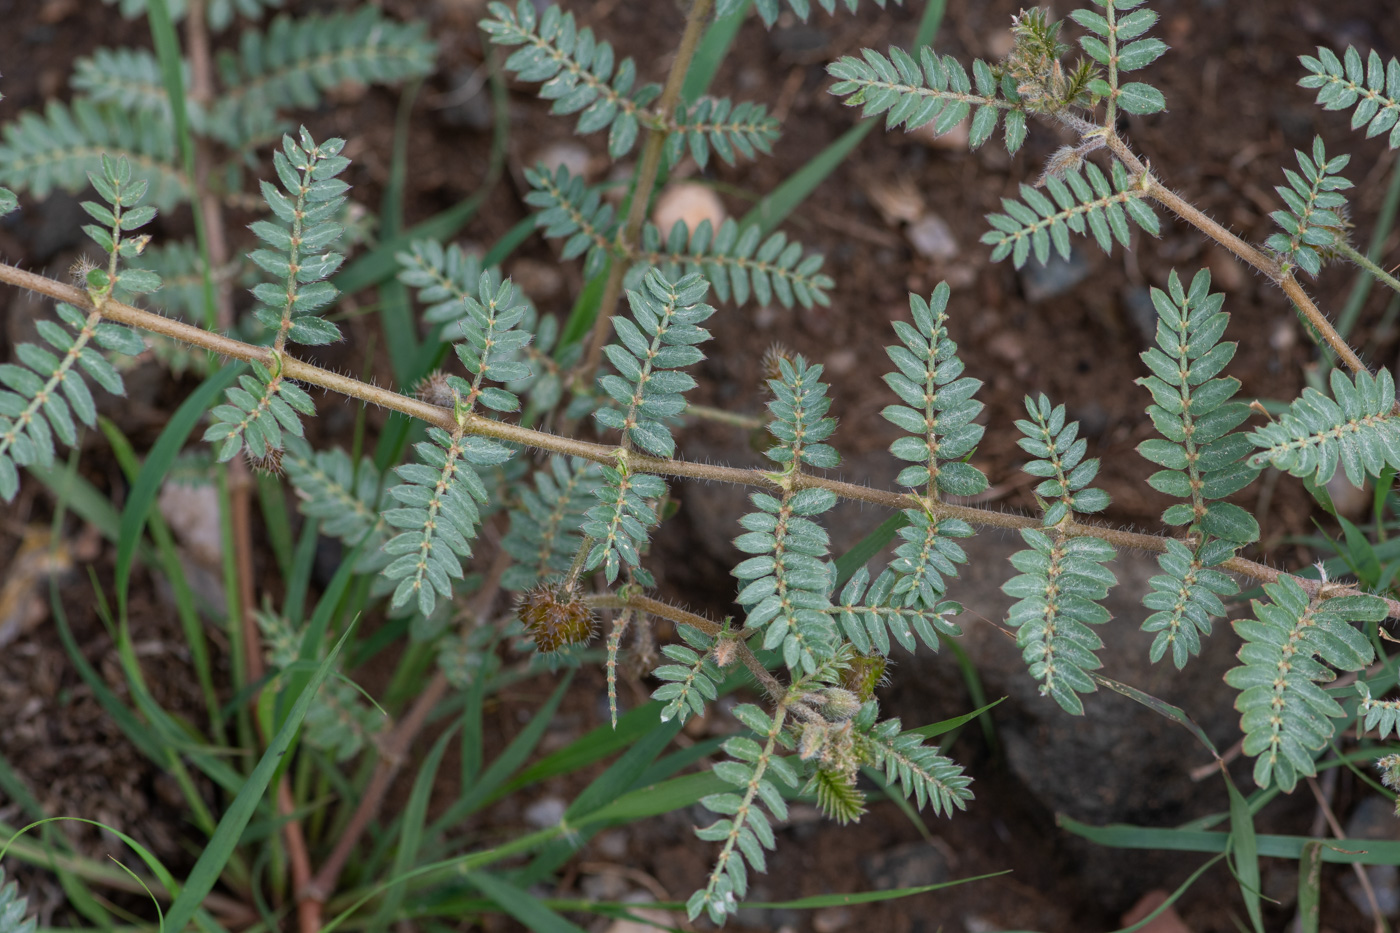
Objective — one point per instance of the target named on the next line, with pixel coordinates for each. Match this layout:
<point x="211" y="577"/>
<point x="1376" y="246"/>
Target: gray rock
<point x="1374" y="819"/>
<point x="932" y="238"/>
<point x="1055" y="277"/>
<point x="911" y="865"/>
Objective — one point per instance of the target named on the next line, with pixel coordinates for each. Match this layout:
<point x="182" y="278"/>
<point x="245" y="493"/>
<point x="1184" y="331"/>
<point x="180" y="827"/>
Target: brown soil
<point x="1235" y="117"/>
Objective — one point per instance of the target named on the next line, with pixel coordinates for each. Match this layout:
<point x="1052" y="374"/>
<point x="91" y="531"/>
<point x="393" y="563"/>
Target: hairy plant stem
<point x="647" y="169"/>
<point x="771" y="685"/>
<point x="1257" y="258"/>
<point x="1362" y="260"/>
<point x="293" y="368"/>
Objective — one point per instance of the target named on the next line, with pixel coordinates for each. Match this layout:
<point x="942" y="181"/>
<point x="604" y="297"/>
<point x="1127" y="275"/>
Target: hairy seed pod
<point x="771" y="356"/>
<point x="79" y="268"/>
<point x="865" y="674"/>
<point x="725" y="651"/>
<point x="435" y="391"/>
<point x="269" y="464"/>
<point x="556" y="617"/>
<point x="839" y="705"/>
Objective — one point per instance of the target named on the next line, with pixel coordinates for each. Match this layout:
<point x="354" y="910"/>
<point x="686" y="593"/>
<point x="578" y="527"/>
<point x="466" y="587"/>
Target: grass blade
<point x="158" y="463"/>
<point x="1244" y="848"/>
<point x="1310" y="888"/>
<point x="948" y="725"/>
<point x="522" y="905"/>
<point x="221" y="845"/>
<point x="488" y="788"/>
<point x="411" y="832"/>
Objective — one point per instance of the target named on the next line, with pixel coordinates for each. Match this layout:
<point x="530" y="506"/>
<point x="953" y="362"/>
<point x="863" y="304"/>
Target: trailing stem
<point x="1255" y="257"/>
<point x="647" y="169"/>
<point x="293" y="368"/>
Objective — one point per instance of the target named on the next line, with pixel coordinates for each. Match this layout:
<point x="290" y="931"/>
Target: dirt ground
<point x="1235" y="116"/>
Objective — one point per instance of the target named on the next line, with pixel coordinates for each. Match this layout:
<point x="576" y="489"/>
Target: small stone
<point x="799" y="41"/>
<point x="570" y="155"/>
<point x="842" y="361"/>
<point x="464" y="104"/>
<point x="1226" y="272"/>
<point x="611" y="845"/>
<point x="831" y="920"/>
<point x="1008" y="346"/>
<point x="1141" y="312"/>
<point x="1347" y="498"/>
<point x="687" y="201"/>
<point x="1168" y="921"/>
<point x="547" y="811"/>
<point x="655" y="918"/>
<point x="912" y="865"/>
<point x="955" y="140"/>
<point x="192" y="512"/>
<point x="1055" y="277"/>
<point x="541" y="281"/>
<point x="932" y="238"/>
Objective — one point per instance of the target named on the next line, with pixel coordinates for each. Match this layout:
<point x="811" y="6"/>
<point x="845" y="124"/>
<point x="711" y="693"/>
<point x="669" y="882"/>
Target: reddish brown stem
<point x="601" y="453"/>
<point x="393" y="749"/>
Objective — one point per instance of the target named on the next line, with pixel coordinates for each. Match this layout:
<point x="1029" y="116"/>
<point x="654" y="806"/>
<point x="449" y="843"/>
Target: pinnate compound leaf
<point x="1291" y="646"/>
<point x="1374" y="91"/>
<point x="1082" y="203"/>
<point x="1356" y="427"/>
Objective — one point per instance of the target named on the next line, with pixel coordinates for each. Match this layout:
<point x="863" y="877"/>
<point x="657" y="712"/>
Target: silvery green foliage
<point x="869" y="613"/>
<point x="786" y="583"/>
<point x="1357" y="428"/>
<point x="1112" y="43"/>
<point x="1373" y="88"/>
<point x="1285" y="716"/>
<point x="121" y="108"/>
<point x="220" y="13"/>
<point x="60" y="148"/>
<point x="128" y="78"/>
<point x="451" y="283"/>
<point x="1062" y="577"/>
<point x="930" y="89"/>
<point x="339" y="721"/>
<point x="1186" y="598"/>
<point x="12" y="909"/>
<point x="577" y="71"/>
<point x="919" y="770"/>
<point x="743" y="827"/>
<point x="45" y="391"/>
<point x="296" y="61"/>
<point x="1194" y="412"/>
<point x="1067" y="474"/>
<point x="545" y="525"/>
<point x="301" y="260"/>
<point x="692" y="680"/>
<point x="1381" y="715"/>
<point x="439" y="500"/>
<point x="740" y="263"/>
<point x="266" y="404"/>
<point x="647" y="391"/>
<point x="345" y="497"/>
<point x="768" y="9"/>
<point x="1203" y="461"/>
<point x="1037" y="222"/>
<point x="257" y="412"/>
<point x="937" y="412"/>
<point x="1314" y="220"/>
